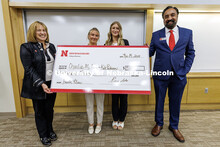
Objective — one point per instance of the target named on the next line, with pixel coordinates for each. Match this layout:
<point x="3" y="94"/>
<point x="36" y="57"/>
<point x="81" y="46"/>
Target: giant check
<point x="101" y="69"/>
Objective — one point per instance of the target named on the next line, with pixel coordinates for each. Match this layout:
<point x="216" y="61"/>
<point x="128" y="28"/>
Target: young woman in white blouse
<point x="93" y="36"/>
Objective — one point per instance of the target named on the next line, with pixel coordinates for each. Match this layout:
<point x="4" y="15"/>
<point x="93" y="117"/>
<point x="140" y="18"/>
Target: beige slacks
<point x="90" y="107"/>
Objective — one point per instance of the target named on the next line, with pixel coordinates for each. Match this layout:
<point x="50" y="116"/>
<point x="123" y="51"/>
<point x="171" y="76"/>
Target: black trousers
<point x="119" y="112"/>
<point x="44" y="114"/>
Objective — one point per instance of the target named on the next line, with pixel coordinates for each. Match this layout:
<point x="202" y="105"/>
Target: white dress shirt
<point x="175" y="33"/>
<point x="49" y="64"/>
<point x="114" y="44"/>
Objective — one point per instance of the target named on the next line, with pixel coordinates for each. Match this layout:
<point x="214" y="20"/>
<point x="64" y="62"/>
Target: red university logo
<point x="64" y="53"/>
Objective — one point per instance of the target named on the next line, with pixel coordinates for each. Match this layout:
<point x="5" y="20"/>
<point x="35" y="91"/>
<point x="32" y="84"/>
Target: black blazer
<point x="126" y="42"/>
<point x="34" y="64"/>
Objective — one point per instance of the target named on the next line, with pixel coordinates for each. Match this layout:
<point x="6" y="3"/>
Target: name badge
<point x="161" y="39"/>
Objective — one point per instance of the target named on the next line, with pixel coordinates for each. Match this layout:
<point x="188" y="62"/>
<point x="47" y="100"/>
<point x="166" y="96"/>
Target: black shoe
<point x="46" y="141"/>
<point x="53" y="136"/>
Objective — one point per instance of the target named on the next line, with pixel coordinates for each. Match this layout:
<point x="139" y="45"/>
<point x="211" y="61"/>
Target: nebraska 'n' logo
<point x="64" y="53"/>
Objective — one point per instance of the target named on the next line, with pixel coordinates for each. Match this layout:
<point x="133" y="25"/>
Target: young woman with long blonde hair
<point x="115" y="38"/>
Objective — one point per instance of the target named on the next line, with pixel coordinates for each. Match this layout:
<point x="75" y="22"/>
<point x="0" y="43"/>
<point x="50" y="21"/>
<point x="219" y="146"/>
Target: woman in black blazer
<point x="37" y="57"/>
<point x="115" y="38"/>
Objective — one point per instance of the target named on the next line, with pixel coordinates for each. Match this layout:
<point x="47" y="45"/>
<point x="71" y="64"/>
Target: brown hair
<point x="31" y="34"/>
<point x="120" y="37"/>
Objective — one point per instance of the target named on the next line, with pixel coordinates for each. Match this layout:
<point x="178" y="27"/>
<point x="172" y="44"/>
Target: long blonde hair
<point x="109" y="41"/>
<point x="31" y="34"/>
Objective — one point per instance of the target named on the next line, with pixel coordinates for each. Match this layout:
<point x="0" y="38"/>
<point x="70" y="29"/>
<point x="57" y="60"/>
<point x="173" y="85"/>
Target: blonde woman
<point x="93" y="37"/>
<point x="37" y="57"/>
<point x="115" y="38"/>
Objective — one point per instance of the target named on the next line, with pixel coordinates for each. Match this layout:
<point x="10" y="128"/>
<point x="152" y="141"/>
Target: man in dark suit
<point x="175" y="53"/>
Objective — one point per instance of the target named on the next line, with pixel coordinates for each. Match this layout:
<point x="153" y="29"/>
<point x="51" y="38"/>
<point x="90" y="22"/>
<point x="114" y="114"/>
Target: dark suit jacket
<point x="34" y="64"/>
<point x="180" y="59"/>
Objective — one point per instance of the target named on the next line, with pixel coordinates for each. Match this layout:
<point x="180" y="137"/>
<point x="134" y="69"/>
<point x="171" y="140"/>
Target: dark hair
<point x="169" y="7"/>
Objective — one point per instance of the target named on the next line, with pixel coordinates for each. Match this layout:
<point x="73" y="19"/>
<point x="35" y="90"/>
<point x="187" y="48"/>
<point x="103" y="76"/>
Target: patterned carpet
<point x="200" y="129"/>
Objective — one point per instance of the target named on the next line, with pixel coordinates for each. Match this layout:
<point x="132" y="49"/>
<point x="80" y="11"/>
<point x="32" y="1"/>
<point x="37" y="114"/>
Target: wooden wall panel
<point x="152" y="96"/>
<point x="14" y="36"/>
<point x="196" y="90"/>
<point x="149" y="25"/>
<point x="28" y="102"/>
<point x="193" y="99"/>
<point x="134" y="99"/>
<point x="76" y="99"/>
<point x="61" y="99"/>
<point x="108" y="99"/>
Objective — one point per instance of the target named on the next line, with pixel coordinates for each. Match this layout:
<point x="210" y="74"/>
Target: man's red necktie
<point x="171" y="40"/>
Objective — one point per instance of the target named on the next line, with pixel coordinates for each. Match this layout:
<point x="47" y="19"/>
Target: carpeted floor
<point x="200" y="129"/>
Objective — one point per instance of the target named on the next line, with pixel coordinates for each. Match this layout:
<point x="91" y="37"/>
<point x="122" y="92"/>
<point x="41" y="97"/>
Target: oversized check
<point x="101" y="69"/>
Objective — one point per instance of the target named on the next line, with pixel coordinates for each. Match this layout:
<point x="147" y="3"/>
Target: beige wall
<point x="168" y="2"/>
<point x="6" y="92"/>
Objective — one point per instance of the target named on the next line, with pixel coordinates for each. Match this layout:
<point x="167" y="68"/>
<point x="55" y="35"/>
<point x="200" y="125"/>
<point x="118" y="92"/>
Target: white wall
<point x="206" y="46"/>
<point x="75" y="25"/>
<point x="6" y="91"/>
